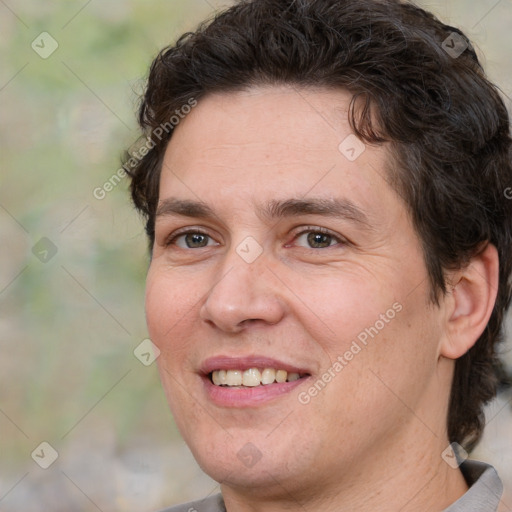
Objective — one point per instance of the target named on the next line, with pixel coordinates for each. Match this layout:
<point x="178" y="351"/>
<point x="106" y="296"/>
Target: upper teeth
<point x="251" y="377"/>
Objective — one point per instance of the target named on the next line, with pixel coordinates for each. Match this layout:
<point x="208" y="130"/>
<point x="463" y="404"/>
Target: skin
<point x="372" y="438"/>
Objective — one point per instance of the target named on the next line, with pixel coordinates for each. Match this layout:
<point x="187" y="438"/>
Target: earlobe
<point x="471" y="303"/>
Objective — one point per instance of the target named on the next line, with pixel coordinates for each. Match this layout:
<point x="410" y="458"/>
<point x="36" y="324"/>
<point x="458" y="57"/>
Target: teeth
<point x="281" y="375"/>
<point x="216" y="378"/>
<point x="233" y="378"/>
<point x="219" y="377"/>
<point x="252" y="377"/>
<point x="268" y="376"/>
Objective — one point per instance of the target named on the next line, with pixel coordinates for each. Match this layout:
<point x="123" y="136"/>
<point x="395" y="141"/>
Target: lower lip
<point x="226" y="396"/>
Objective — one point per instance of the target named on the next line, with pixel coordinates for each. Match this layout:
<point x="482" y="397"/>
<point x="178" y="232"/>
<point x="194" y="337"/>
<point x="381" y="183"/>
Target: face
<point x="281" y="246"/>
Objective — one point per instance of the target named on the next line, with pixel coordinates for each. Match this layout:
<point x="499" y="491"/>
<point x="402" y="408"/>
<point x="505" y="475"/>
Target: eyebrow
<point x="275" y="209"/>
<point x="184" y="208"/>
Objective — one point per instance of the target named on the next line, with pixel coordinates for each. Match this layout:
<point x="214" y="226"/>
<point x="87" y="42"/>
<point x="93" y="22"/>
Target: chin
<point x="264" y="479"/>
<point x="235" y="476"/>
<point x="251" y="460"/>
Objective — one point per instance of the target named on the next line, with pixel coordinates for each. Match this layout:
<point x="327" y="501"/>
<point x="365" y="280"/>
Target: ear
<point x="471" y="301"/>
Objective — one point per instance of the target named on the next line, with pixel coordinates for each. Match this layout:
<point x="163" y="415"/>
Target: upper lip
<point x="223" y="362"/>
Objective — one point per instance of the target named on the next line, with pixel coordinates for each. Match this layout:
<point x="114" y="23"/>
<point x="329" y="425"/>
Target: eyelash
<point x="308" y="229"/>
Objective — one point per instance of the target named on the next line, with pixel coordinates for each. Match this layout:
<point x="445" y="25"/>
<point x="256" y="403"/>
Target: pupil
<point x="195" y="240"/>
<point x="319" y="239"/>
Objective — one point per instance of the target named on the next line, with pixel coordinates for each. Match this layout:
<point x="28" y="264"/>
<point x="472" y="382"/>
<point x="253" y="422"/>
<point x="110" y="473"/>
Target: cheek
<point x="168" y="307"/>
<point x="400" y="360"/>
<point x="372" y="324"/>
<point x="156" y="308"/>
<point x="341" y="307"/>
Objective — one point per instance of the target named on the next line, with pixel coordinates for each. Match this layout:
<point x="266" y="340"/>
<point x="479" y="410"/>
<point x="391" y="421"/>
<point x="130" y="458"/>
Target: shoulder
<point x="211" y="504"/>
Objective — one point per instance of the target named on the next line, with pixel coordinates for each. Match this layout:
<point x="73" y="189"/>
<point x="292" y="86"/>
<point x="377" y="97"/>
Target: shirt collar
<point x="485" y="488"/>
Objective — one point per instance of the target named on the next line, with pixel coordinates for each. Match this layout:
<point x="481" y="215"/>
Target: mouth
<point x="249" y="381"/>
<point x="252" y="377"/>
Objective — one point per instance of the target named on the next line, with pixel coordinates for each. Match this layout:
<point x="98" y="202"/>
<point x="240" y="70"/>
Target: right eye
<point x="190" y="240"/>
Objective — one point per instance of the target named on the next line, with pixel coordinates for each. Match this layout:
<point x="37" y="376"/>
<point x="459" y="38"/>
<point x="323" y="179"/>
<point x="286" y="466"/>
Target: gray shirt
<point x="483" y="495"/>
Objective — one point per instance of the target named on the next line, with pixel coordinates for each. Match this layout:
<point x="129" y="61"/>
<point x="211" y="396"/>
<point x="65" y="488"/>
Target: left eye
<point x="317" y="239"/>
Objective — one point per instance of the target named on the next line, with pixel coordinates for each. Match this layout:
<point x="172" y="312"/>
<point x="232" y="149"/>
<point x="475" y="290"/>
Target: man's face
<point x="300" y="256"/>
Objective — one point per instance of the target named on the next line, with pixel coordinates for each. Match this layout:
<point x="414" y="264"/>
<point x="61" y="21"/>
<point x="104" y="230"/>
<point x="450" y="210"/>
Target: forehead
<point x="249" y="147"/>
<point x="268" y="116"/>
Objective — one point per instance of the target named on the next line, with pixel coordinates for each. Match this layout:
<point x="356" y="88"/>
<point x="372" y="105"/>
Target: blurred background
<point x="73" y="257"/>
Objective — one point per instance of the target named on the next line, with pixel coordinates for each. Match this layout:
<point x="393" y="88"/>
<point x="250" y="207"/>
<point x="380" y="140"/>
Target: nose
<point x="244" y="294"/>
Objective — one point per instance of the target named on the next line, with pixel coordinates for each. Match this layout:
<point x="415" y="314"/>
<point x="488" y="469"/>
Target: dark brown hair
<point x="416" y="84"/>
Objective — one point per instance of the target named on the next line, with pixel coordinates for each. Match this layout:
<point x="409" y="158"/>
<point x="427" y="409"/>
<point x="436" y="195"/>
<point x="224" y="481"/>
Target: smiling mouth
<point x="252" y="377"/>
